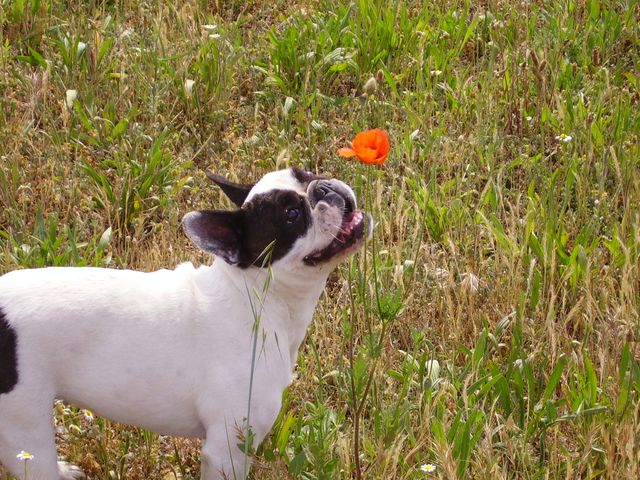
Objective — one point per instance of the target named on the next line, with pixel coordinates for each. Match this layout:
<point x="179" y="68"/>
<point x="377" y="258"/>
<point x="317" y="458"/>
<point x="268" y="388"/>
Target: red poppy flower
<point x="370" y="146"/>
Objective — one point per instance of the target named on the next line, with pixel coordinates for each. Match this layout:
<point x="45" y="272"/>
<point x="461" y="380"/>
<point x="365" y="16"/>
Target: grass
<point x="507" y="244"/>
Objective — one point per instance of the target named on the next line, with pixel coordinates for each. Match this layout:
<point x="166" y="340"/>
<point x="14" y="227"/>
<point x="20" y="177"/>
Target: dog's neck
<point x="294" y="294"/>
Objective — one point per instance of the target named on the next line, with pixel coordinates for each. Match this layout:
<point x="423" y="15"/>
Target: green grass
<point x="507" y="244"/>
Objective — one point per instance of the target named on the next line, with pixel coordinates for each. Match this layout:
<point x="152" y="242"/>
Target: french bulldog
<point x="177" y="351"/>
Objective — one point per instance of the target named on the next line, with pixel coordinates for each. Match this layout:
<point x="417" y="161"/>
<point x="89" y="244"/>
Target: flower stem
<point x="358" y="405"/>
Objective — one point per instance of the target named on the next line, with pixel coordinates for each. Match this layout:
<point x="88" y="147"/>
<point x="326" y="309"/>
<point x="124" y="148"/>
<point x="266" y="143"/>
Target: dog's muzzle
<point x="351" y="233"/>
<point x="333" y="192"/>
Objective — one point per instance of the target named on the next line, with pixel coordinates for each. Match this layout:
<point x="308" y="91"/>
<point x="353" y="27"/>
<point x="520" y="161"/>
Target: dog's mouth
<point x="348" y="238"/>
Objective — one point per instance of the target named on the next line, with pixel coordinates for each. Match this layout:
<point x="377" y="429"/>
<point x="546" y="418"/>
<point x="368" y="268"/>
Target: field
<point x="490" y="327"/>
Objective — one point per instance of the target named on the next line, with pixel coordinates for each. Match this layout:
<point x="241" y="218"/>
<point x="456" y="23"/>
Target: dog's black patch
<point x="261" y="232"/>
<point x="303" y="176"/>
<point x="271" y="224"/>
<point x="236" y="192"/>
<point x="8" y="356"/>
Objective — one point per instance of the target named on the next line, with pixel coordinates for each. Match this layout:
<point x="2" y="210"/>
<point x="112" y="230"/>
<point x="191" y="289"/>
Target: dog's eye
<point x="292" y="214"/>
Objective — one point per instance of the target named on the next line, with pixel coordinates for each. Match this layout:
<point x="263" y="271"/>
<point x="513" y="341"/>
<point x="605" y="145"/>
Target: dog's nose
<point x="333" y="193"/>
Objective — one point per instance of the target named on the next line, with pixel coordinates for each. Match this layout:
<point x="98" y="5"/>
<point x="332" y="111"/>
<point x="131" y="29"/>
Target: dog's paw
<point x="68" y="471"/>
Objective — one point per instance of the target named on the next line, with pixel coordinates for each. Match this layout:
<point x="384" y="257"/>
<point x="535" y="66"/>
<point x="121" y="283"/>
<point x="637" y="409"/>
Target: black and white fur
<point x="171" y="350"/>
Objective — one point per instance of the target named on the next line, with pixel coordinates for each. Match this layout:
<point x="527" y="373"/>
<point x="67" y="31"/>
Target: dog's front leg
<point x="221" y="459"/>
<point x="26" y="424"/>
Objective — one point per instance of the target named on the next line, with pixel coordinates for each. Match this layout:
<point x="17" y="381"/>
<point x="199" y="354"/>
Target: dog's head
<point x="290" y="217"/>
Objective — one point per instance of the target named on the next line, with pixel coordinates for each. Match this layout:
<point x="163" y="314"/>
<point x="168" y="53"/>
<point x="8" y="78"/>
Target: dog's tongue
<point x="349" y="222"/>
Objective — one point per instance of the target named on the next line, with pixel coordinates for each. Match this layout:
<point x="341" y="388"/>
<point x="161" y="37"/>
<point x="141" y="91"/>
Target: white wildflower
<point x="24" y="456"/>
<point x="564" y="138"/>
<point x="210" y="27"/>
<point x="81" y="48"/>
<point x="427" y="468"/>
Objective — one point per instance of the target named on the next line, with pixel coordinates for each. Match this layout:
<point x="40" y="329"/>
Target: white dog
<point x="172" y="351"/>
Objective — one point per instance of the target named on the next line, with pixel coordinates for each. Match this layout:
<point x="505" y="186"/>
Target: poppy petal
<point x="383" y="143"/>
<point x="347" y="152"/>
<point x="364" y="139"/>
<point x="377" y="161"/>
<point x="367" y="154"/>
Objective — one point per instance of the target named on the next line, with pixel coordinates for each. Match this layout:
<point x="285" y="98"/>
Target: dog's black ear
<point x="218" y="232"/>
<point x="236" y="192"/>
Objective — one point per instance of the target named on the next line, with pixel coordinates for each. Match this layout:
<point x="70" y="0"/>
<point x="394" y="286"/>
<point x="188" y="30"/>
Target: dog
<point x="178" y="351"/>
